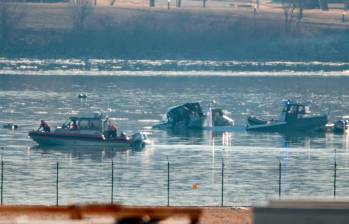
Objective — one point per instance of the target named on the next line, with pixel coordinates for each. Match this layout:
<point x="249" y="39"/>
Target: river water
<point x="136" y="93"/>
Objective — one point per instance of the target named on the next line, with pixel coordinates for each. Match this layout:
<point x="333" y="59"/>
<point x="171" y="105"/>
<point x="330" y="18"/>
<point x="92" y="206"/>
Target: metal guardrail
<point x="171" y="182"/>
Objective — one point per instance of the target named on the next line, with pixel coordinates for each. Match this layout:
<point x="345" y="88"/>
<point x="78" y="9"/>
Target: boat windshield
<point x="69" y="123"/>
<point x="293" y="108"/>
<point x="75" y="123"/>
<point x="218" y="112"/>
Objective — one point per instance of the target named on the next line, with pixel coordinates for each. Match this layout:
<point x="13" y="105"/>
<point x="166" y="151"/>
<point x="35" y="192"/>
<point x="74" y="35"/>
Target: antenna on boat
<point x="329" y="110"/>
<point x="108" y="109"/>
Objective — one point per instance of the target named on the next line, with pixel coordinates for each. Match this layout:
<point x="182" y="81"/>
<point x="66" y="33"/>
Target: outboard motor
<point x="340" y="126"/>
<point x="138" y="140"/>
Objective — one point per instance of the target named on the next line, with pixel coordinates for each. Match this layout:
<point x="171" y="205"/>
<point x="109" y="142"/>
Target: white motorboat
<point x="93" y="130"/>
<point x="191" y="116"/>
<point x="294" y="117"/>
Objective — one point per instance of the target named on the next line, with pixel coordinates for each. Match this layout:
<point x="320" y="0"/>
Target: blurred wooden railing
<point x="119" y="214"/>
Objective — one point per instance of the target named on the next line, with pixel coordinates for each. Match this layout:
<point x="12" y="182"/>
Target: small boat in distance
<point x="10" y="126"/>
<point x="82" y="96"/>
<point x="294" y="117"/>
<point x="93" y="130"/>
<point x="191" y="116"/>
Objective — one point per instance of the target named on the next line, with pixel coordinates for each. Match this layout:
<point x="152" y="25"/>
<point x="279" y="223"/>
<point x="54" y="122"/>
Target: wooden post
<point x="2" y="180"/>
<point x="222" y="189"/>
<point x="112" y="182"/>
<point x="57" y="175"/>
<point x="168" y="183"/>
<point x="279" y="179"/>
<point x="334" y="179"/>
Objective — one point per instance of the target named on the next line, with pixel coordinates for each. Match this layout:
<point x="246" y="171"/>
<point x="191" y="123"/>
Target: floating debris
<point x="10" y="126"/>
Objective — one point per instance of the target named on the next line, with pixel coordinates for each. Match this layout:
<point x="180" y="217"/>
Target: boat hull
<point x="297" y="125"/>
<point x="51" y="138"/>
<point x="182" y="125"/>
<point x="198" y="124"/>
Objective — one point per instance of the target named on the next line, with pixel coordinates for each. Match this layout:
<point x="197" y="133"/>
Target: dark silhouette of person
<point x="44" y="126"/>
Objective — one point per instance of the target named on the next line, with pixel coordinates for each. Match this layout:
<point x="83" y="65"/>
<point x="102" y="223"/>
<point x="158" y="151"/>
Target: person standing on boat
<point x="44" y="126"/>
<point x="74" y="125"/>
<point x="112" y="130"/>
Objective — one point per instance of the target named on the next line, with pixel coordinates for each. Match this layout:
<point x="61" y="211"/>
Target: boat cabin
<point x="97" y="124"/>
<point x="293" y="111"/>
<point x="184" y="112"/>
<point x="83" y="123"/>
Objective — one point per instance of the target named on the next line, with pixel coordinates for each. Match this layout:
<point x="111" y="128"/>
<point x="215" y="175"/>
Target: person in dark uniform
<point x="44" y="126"/>
<point x="112" y="131"/>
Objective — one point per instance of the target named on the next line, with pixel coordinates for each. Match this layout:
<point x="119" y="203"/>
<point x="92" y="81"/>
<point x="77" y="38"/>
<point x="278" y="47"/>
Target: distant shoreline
<point x="47" y="31"/>
<point x="169" y="68"/>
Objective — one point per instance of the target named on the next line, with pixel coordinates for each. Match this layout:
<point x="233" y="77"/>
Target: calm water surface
<point x="137" y="93"/>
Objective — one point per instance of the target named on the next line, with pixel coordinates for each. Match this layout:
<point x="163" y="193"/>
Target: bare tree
<point x="300" y="11"/>
<point x="288" y="7"/>
<point x="81" y="10"/>
<point x="293" y="13"/>
<point x="10" y="18"/>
